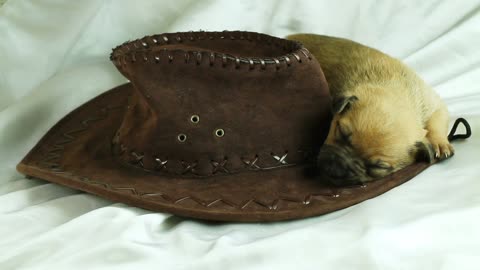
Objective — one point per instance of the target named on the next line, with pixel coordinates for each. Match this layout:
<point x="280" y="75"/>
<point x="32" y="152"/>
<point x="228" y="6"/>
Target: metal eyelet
<point x="181" y="137"/>
<point x="219" y="132"/>
<point x="195" y="118"/>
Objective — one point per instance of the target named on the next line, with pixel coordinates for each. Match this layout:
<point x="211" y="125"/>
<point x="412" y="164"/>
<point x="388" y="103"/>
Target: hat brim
<point x="272" y="195"/>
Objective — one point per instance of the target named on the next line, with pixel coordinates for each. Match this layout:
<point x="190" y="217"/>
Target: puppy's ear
<point x="342" y="103"/>
<point x="424" y="152"/>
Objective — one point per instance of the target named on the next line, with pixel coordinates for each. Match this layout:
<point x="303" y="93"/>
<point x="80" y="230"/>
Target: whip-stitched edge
<point x="139" y="50"/>
<point x="52" y="159"/>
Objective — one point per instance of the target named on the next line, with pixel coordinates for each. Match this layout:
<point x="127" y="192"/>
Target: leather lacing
<point x="217" y="166"/>
<point x="131" y="51"/>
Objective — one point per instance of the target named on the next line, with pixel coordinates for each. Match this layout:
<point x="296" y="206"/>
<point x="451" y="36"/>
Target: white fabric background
<point x="54" y="57"/>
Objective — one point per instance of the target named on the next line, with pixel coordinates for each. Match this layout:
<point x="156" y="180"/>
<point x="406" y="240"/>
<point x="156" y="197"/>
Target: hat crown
<point x="208" y="103"/>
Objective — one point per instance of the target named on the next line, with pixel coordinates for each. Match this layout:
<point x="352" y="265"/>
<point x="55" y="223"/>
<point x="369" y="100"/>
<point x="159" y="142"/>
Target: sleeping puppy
<point x="385" y="117"/>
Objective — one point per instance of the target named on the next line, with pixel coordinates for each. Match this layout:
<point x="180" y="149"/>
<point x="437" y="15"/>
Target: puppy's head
<point x="371" y="136"/>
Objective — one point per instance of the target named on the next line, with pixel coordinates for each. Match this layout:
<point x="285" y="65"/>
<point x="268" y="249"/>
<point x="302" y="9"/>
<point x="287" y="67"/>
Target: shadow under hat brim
<point x="77" y="153"/>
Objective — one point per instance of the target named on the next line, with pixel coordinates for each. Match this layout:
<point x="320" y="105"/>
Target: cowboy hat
<point x="212" y="125"/>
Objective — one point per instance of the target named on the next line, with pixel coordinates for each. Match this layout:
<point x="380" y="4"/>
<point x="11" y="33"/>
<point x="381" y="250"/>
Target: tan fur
<point x="395" y="107"/>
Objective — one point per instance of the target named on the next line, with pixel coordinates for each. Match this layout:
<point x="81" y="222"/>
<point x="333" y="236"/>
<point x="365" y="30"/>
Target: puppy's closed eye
<point x="379" y="168"/>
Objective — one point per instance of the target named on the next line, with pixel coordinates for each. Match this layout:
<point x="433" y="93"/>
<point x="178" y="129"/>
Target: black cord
<point x="453" y="137"/>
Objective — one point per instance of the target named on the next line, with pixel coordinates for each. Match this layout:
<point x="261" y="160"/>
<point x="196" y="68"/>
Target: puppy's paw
<point x="442" y="148"/>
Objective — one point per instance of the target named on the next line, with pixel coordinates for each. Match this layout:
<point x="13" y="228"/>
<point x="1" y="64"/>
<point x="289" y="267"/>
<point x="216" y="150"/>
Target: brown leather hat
<point x="214" y="125"/>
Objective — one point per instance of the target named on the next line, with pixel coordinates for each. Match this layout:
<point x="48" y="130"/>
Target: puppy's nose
<point x="332" y="163"/>
<point x="336" y="170"/>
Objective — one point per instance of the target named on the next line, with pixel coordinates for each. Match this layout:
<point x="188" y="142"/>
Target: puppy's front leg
<point x="437" y="127"/>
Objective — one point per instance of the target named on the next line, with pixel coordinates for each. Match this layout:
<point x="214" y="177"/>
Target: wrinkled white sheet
<point x="54" y="57"/>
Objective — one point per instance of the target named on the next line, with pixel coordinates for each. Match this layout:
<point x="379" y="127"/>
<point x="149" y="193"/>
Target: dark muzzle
<point x="340" y="166"/>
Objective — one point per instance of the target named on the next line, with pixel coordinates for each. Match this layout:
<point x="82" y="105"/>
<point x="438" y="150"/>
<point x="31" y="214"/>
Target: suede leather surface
<point x="275" y="109"/>
<point x="268" y="95"/>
